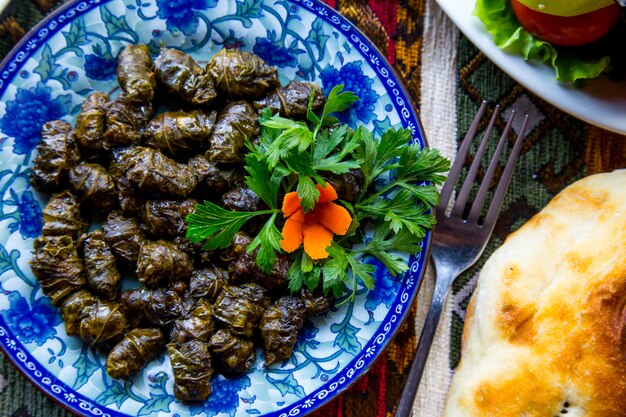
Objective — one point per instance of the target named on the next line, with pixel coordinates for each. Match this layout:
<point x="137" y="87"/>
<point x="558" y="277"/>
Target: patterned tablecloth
<point x="448" y="78"/>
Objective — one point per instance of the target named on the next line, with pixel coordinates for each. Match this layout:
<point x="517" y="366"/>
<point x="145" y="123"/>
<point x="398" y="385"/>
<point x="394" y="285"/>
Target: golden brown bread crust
<point x="545" y="327"/>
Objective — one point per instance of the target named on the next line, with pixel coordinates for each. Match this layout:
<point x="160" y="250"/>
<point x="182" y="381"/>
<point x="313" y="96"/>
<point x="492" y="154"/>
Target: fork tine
<point x="453" y="175"/>
<point x="462" y="197"/>
<point x="479" y="201"/>
<point x="503" y="185"/>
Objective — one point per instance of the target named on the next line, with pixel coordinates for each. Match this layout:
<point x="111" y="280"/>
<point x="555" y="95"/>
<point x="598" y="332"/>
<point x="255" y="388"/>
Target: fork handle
<point x="405" y="406"/>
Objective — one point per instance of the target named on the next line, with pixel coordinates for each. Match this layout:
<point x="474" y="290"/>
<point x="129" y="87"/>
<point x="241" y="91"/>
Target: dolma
<point x="56" y="152"/>
<point x="134" y="73"/>
<point x="235" y="123"/>
<point x="240" y="198"/>
<point x="57" y="266"/>
<point x="238" y="247"/>
<point x="192" y="368"/>
<point x="101" y="274"/>
<point x="233" y="354"/>
<point x="348" y="185"/>
<point x="61" y="216"/>
<point x="126" y="121"/>
<point x="137" y="348"/>
<point x="182" y="76"/>
<point x="180" y="132"/>
<point x="91" y="121"/>
<point x="103" y="324"/>
<point x="314" y="303"/>
<point x="158" y="306"/>
<point x="93" y="183"/>
<point x="98" y="322"/>
<point x="161" y="261"/>
<point x="199" y="325"/>
<point x="207" y="283"/>
<point x="200" y="257"/>
<point x="292" y="100"/>
<point x="123" y="236"/>
<point x="129" y="199"/>
<point x="240" y="307"/>
<point x="214" y="178"/>
<point x="242" y="74"/>
<point x="279" y="327"/>
<point x="166" y="218"/>
<point x="151" y="172"/>
<point x="73" y="307"/>
<point x="243" y="266"/>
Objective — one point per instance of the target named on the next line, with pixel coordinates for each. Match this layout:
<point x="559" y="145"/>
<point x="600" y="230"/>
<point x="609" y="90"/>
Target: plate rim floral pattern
<point x="75" y="402"/>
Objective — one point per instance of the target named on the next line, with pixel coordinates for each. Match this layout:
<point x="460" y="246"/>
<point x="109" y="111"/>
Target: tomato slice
<point x="567" y="30"/>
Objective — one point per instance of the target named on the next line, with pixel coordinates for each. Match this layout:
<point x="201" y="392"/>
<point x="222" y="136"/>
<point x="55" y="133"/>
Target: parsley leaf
<point x="261" y="181"/>
<point x="268" y="241"/>
<point x="402" y="211"/>
<point x="385" y="245"/>
<point x="308" y="192"/>
<point x="218" y="225"/>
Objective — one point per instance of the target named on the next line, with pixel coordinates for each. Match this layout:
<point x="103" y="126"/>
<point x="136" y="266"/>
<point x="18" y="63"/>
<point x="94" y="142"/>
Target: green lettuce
<point x="500" y="21"/>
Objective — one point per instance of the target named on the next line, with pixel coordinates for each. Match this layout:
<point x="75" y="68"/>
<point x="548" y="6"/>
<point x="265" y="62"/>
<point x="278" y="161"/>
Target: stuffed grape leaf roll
<point x="134" y="73"/>
<point x="126" y="121"/>
<point x="242" y="74"/>
<point x="235" y="123"/>
<point x="192" y="368"/>
<point x="98" y="322"/>
<point x="161" y="261"/>
<point x="151" y="172"/>
<point x="207" y="283"/>
<point x="215" y="179"/>
<point x="56" y="153"/>
<point x="94" y="184"/>
<point x="166" y="218"/>
<point x="279" y="326"/>
<point x="72" y="310"/>
<point x="180" y="132"/>
<point x="158" y="306"/>
<point x="134" y="351"/>
<point x="57" y="266"/>
<point x="233" y="354"/>
<point x="199" y="325"/>
<point x="182" y="76"/>
<point x="129" y="199"/>
<point x="101" y="274"/>
<point x="123" y="236"/>
<point x="292" y="100"/>
<point x="61" y="216"/>
<point x="240" y="307"/>
<point x="240" y="198"/>
<point x="91" y="121"/>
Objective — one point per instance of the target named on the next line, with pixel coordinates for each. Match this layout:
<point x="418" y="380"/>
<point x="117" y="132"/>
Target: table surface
<point x="448" y="78"/>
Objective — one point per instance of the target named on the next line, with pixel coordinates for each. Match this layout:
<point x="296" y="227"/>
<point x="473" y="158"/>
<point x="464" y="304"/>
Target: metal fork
<point x="460" y="237"/>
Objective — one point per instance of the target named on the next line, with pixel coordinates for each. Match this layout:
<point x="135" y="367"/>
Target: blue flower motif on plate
<point x="181" y="14"/>
<point x="225" y="397"/>
<point x="26" y="115"/>
<point x="386" y="289"/>
<point x="99" y="67"/>
<point x="28" y="215"/>
<point x="34" y="324"/>
<point x="352" y="77"/>
<point x="274" y="54"/>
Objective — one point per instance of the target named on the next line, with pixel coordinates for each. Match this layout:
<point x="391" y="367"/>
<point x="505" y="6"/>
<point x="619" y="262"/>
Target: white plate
<point x="602" y="102"/>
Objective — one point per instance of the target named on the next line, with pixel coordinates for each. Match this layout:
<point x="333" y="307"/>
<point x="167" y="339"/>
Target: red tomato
<point x="567" y="30"/>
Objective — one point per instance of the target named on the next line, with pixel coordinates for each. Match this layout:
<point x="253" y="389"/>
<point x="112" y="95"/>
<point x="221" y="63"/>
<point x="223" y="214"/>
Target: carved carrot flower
<point x="315" y="228"/>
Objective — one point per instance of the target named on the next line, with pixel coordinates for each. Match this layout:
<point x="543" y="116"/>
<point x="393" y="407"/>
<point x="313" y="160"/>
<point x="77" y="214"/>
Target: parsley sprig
<point x="399" y="189"/>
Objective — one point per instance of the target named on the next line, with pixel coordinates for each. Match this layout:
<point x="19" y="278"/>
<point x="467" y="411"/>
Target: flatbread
<point x="545" y="333"/>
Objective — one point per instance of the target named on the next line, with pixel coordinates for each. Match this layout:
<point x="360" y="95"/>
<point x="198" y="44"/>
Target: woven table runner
<point x="448" y="78"/>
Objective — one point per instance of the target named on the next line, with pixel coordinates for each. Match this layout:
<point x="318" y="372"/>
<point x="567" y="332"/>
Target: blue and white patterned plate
<point x="71" y="53"/>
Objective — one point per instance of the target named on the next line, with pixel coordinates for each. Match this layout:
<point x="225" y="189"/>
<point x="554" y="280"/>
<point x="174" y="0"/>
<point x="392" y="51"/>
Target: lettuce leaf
<point x="508" y="34"/>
